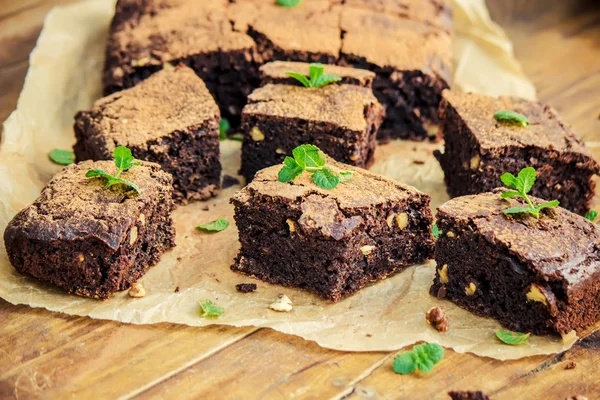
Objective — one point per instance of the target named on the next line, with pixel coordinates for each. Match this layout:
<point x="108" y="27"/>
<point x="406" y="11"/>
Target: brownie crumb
<point x="369" y="335"/>
<point x="467" y="395"/>
<point x="177" y="289"/>
<point x="229" y="181"/>
<point x="437" y="319"/>
<point x="418" y="162"/>
<point x="246" y="287"/>
<point x="577" y="397"/>
<point x="571" y="365"/>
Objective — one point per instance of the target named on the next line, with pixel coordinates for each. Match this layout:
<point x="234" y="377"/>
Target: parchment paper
<point x="65" y="76"/>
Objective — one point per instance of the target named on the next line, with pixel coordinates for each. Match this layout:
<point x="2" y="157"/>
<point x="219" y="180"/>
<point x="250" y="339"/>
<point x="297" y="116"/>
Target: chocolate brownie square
<point x="147" y="34"/>
<point x="341" y="119"/>
<point x="331" y="242"/>
<point x="89" y="240"/>
<point x="479" y="149"/>
<point x="276" y="72"/>
<point x="413" y="65"/>
<point x="171" y="119"/>
<point x="532" y="275"/>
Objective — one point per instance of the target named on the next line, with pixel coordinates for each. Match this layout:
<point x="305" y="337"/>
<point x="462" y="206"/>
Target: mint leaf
<point x="110" y="180"/>
<point x="509" y="180"/>
<point x="301" y="78"/>
<point x="326" y="178"/>
<point x="591" y="215"/>
<point x="62" y="157"/>
<point x="510" y="193"/>
<point x="289" y="3"/>
<point x="519" y="210"/>
<point x="214" y="226"/>
<point x="525" y="180"/>
<point x="93" y="173"/>
<point x="224" y="127"/>
<point x="548" y="204"/>
<point x="290" y="171"/>
<point x="512" y="338"/>
<point x="309" y="156"/>
<point x="404" y="363"/>
<point x="511" y="117"/>
<point x="345" y="176"/>
<point x="423" y="357"/>
<point x="208" y="309"/>
<point x="123" y="159"/>
<point x="315" y="70"/>
<point x="326" y="79"/>
<point x="436" y="231"/>
<point x="237" y="137"/>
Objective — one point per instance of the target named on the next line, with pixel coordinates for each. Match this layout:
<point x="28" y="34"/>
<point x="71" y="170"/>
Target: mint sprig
<point x="217" y="225"/>
<point x="423" y="357"/>
<point x="62" y="157"/>
<point x="289" y="3"/>
<point x="436" y="231"/>
<point x="311" y="159"/>
<point x="209" y="309"/>
<point x="523" y="183"/>
<point x="316" y="77"/>
<point x="512" y="338"/>
<point x="123" y="160"/>
<point x="591" y="215"/>
<point x="224" y="127"/>
<point x="511" y="117"/>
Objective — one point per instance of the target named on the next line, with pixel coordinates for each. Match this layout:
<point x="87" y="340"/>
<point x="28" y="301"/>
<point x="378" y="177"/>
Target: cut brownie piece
<point x="532" y="275"/>
<point x="170" y="119"/>
<point x="89" y="240"/>
<point x="341" y="119"/>
<point x="412" y="61"/>
<point x="276" y="72"/>
<point x="147" y="34"/>
<point x="479" y="149"/>
<point x="331" y="242"/>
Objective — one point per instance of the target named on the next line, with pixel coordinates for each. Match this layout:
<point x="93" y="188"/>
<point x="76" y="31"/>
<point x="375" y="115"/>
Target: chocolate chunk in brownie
<point x="532" y="275"/>
<point x="90" y="240"/>
<point x="479" y="149"/>
<point x="467" y="395"/>
<point x="245" y="287"/>
<point x="412" y="61"/>
<point x="276" y="72"/>
<point x="330" y="242"/>
<point x="148" y="34"/>
<point x="340" y="119"/>
<point x="171" y="119"/>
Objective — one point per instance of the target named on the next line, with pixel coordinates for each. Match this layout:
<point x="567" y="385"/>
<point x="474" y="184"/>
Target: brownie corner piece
<point x="479" y="149"/>
<point x="171" y="119"/>
<point x="277" y="72"/>
<point x="340" y="119"/>
<point x="531" y="275"/>
<point x="91" y="240"/>
<point x="330" y="242"/>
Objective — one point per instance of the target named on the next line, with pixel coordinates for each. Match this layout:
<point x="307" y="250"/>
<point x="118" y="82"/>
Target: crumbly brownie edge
<point x="564" y="176"/>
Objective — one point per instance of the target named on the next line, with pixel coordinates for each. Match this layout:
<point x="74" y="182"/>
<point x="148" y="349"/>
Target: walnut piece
<point x="282" y="304"/>
<point x="368" y="249"/>
<point x="437" y="319"/>
<point x="471" y="289"/>
<point x="137" y="290"/>
<point x="536" y="294"/>
<point x="256" y="134"/>
<point x="444" y="274"/>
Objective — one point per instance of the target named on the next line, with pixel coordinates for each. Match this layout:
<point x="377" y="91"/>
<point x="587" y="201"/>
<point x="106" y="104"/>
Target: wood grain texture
<point x="51" y="355"/>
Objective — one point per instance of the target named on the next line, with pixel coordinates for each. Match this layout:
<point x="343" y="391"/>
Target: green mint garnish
<point x="214" y="226"/>
<point x="311" y="159"/>
<point x="238" y="137"/>
<point x="512" y="338"/>
<point x="224" y="127"/>
<point x="123" y="160"/>
<point x="62" y="157"/>
<point x="511" y="117"/>
<point x="523" y="182"/>
<point x="289" y="3"/>
<point x="436" y="231"/>
<point x="208" y="309"/>
<point x="591" y="215"/>
<point x="423" y="357"/>
<point x="316" y="78"/>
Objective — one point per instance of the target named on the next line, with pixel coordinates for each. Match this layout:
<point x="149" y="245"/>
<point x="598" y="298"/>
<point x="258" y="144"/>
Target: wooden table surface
<point x="51" y="355"/>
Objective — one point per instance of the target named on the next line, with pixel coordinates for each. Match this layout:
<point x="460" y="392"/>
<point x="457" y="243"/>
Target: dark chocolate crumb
<point x="467" y="395"/>
<point x="205" y="208"/>
<point x="571" y="365"/>
<point x="177" y="289"/>
<point x="246" y="287"/>
<point x="229" y="181"/>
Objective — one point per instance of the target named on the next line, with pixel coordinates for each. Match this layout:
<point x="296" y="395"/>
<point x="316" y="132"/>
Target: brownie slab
<point x="479" y="149"/>
<point x="330" y="242"/>
<point x="340" y="119"/>
<point x="276" y="72"/>
<point x="532" y="275"/>
<point x="89" y="240"/>
<point x="171" y="119"/>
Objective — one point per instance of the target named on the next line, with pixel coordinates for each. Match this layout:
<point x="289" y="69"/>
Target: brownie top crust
<point x="387" y="41"/>
<point x="73" y="207"/>
<point x="365" y="189"/>
<point x="278" y="70"/>
<point x="560" y="244"/>
<point x="170" y="100"/>
<point x="545" y="129"/>
<point x="342" y="105"/>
